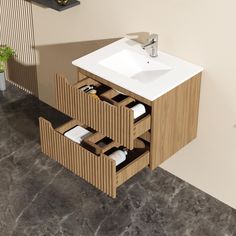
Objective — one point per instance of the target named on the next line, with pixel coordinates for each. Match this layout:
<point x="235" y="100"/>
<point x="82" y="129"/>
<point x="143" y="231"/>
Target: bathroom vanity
<point x="124" y="73"/>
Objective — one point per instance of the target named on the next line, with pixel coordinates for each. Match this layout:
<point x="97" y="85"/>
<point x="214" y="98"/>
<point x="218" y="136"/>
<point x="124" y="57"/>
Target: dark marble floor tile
<point x="38" y="197"/>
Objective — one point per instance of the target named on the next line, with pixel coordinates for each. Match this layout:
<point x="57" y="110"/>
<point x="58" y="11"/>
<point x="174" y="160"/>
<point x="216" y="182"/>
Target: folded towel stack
<point x="77" y="134"/>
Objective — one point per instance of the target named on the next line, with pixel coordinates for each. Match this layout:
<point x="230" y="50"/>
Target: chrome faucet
<point x="152" y="44"/>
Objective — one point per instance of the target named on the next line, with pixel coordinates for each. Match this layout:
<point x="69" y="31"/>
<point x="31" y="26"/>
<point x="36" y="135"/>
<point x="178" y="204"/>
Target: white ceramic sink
<point x="126" y="64"/>
<point x="132" y="64"/>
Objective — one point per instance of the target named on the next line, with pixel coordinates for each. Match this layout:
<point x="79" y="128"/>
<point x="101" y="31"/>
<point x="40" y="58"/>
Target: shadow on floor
<point x="22" y="114"/>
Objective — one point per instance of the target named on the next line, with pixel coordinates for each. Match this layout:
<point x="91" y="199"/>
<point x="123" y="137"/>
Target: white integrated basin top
<point x="127" y="65"/>
<point x="131" y="64"/>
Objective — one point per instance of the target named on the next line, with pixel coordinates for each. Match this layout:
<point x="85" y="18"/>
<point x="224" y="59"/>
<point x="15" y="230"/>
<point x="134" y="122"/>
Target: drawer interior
<point x="112" y="96"/>
<point x="140" y="147"/>
<point x="96" y="142"/>
<point x="101" y="88"/>
<point x="146" y="136"/>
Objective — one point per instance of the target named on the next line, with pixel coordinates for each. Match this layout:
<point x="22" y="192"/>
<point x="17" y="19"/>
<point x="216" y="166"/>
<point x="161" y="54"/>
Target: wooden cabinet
<point x="169" y="123"/>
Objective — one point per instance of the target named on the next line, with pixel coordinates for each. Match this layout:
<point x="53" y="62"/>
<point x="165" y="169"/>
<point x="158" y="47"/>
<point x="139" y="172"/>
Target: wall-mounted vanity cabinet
<point x="168" y="87"/>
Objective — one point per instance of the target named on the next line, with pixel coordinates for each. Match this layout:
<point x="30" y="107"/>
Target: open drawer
<point x="115" y="121"/>
<point x="98" y="170"/>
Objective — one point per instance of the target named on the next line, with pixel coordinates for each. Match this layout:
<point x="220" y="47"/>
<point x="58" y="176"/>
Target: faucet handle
<point x="153" y="38"/>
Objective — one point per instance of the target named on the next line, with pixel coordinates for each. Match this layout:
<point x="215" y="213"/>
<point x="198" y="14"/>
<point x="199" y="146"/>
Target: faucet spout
<point x="153" y="44"/>
<point x="147" y="45"/>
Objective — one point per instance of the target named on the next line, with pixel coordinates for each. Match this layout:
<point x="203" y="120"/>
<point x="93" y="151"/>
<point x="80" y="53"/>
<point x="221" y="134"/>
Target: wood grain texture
<point x="100" y="171"/>
<point x="80" y="76"/>
<point x="146" y="136"/>
<point x="115" y="122"/>
<point x="142" y="126"/>
<point x="16" y="30"/>
<point x="93" y="139"/>
<point x="174" y="120"/>
<point x="171" y="125"/>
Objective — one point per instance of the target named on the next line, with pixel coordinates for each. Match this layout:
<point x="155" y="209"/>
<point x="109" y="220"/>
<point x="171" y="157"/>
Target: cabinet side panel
<point x="174" y="120"/>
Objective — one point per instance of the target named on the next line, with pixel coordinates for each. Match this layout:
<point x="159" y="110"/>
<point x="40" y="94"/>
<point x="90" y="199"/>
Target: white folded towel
<point x="77" y="134"/>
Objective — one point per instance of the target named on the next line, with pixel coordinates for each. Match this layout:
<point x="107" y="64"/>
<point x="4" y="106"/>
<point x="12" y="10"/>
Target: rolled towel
<point x="77" y="134"/>
<point x="119" y="156"/>
<point x="139" y="109"/>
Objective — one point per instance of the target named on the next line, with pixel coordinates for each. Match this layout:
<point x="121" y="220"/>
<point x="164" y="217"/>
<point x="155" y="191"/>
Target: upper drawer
<point x="116" y="121"/>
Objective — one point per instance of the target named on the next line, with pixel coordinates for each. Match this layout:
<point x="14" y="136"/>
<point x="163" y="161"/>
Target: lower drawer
<point x="98" y="170"/>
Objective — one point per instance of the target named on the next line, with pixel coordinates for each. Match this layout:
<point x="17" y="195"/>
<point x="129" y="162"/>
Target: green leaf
<point x="6" y="53"/>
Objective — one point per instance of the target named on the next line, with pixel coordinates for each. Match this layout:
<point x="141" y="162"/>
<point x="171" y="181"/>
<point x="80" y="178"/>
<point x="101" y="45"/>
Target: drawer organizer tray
<point x="98" y="170"/>
<point x="115" y="121"/>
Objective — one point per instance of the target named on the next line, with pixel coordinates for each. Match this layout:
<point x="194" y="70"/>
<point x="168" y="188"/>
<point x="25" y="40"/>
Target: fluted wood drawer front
<point x="116" y="122"/>
<point x="100" y="171"/>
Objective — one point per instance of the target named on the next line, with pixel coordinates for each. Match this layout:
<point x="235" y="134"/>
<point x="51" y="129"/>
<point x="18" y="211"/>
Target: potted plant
<point x="5" y="54"/>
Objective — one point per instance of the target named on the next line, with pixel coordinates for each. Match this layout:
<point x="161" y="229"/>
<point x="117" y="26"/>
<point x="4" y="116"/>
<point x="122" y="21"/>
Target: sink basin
<point x="133" y="65"/>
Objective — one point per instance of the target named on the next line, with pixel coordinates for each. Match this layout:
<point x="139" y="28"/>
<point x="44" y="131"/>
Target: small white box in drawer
<point x="77" y="134"/>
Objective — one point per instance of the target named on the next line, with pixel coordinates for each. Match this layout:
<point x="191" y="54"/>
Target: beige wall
<point x="93" y="20"/>
<point x="202" y="32"/>
<point x="61" y="37"/>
